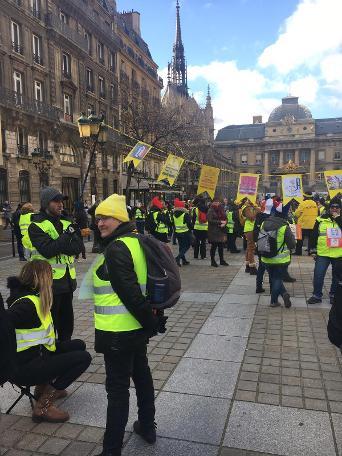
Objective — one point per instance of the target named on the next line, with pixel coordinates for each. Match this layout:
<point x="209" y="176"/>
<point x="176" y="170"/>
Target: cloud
<point x="310" y="33"/>
<point x="307" y="87"/>
<point x="331" y="71"/>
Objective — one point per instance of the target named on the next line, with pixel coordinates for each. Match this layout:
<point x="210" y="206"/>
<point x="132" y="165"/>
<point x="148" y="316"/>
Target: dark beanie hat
<point x="336" y="201"/>
<point x="48" y="194"/>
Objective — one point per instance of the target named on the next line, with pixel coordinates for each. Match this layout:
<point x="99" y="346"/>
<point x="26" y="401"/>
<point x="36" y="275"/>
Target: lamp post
<point x="42" y="161"/>
<point x="93" y="132"/>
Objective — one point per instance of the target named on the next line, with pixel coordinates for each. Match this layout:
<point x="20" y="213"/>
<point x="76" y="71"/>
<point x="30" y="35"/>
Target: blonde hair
<point x="37" y="275"/>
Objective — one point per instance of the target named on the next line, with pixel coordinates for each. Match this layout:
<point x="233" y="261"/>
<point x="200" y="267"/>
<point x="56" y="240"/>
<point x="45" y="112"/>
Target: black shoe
<point x="247" y="269"/>
<point x="223" y="263"/>
<point x="287" y="300"/>
<point x="253" y="270"/>
<point x="185" y="263"/>
<point x="314" y="300"/>
<point x="289" y="279"/>
<point x="260" y="290"/>
<point x="214" y="264"/>
<point x="178" y="262"/>
<point x="148" y="433"/>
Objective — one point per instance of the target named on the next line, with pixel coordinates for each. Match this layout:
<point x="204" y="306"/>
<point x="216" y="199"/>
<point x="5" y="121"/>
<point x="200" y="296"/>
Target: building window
<point x="87" y="36"/>
<point x="274" y="158"/>
<point x="42" y="140"/>
<point x="67" y="154"/>
<point x="156" y="170"/>
<point x="22" y="147"/>
<point x="321" y="155"/>
<point x="37" y="49"/>
<point x="66" y="65"/>
<point x="289" y="155"/>
<point x="102" y="88"/>
<point x="24" y="186"/>
<point x="104" y="159"/>
<point x="115" y="161"/>
<point x="36" y="8"/>
<point x="115" y="186"/>
<point x="100" y="52"/>
<point x="304" y="156"/>
<point x="38" y="91"/>
<point x="112" y="62"/>
<point x="64" y="17"/>
<point x="3" y="186"/>
<point x="105" y="190"/>
<point x="3" y="140"/>
<point x="258" y="159"/>
<point x="244" y="159"/>
<point x="337" y="155"/>
<point x="90" y="80"/>
<point x="17" y="42"/>
<point x="320" y="175"/>
<point x="67" y="107"/>
<point x="18" y="87"/>
<point x="90" y="109"/>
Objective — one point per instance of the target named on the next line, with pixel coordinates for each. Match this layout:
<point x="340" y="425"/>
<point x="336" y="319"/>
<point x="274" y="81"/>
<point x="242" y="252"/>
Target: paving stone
<point x="54" y="445"/>
<point x="68" y="431"/>
<point x="335" y="406"/>
<point x="314" y="393"/>
<point x="227" y="326"/>
<point x="316" y="404"/>
<point x="168" y="447"/>
<point x="291" y="401"/>
<point x="31" y="442"/>
<point x="11" y="437"/>
<point x="289" y="390"/>
<point x="269" y="388"/>
<point x="47" y="428"/>
<point x="303" y="432"/>
<point x="91" y="434"/>
<point x="267" y="398"/>
<point x="220" y="348"/>
<point x="79" y="449"/>
<point x="241" y="395"/>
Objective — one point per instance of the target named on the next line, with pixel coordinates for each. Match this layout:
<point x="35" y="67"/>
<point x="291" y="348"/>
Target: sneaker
<point x="287" y="301"/>
<point x="260" y="290"/>
<point x="275" y="304"/>
<point x="214" y="264"/>
<point x="148" y="433"/>
<point x="314" y="300"/>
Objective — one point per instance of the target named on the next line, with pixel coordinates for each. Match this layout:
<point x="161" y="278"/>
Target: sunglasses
<point x="101" y="218"/>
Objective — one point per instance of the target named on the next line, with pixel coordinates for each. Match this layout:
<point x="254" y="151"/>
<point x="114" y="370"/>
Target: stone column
<point x="266" y="177"/>
<point x="281" y="158"/>
<point x="297" y="157"/>
<point x="312" y="178"/>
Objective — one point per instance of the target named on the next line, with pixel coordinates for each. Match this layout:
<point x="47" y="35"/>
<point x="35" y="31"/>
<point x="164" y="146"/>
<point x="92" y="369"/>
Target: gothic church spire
<point x="178" y="67"/>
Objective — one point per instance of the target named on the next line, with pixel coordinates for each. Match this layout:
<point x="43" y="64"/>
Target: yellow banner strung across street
<point x="138" y="153"/>
<point x="292" y="186"/>
<point x="248" y="187"/>
<point x="208" y="180"/>
<point x="170" y="170"/>
<point x="333" y="180"/>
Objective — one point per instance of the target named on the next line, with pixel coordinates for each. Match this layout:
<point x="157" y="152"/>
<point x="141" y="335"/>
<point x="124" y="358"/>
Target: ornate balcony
<point x="37" y="59"/>
<point x="36" y="13"/>
<point x="18" y="48"/>
<point x="63" y="29"/>
<point x="23" y="150"/>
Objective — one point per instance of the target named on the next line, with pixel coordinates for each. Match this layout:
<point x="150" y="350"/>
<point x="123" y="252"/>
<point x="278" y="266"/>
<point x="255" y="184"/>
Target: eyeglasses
<point x="101" y="218"/>
<point x="334" y="206"/>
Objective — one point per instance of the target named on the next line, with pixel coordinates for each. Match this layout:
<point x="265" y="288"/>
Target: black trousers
<point x="161" y="236"/>
<point x="231" y="242"/>
<point x="83" y="251"/>
<point x="299" y="245"/>
<point x="60" y="368"/>
<point x="200" y="246"/>
<point x="63" y="315"/>
<point x="214" y="246"/>
<point x="121" y="365"/>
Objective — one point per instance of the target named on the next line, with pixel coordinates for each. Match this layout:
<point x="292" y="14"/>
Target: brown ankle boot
<point x="39" y="390"/>
<point x="44" y="410"/>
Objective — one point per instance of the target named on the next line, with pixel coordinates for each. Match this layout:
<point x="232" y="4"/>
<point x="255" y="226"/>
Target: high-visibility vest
<point x="249" y="226"/>
<point x="322" y="246"/>
<point x="283" y="256"/>
<point x="58" y="263"/>
<point x="180" y="225"/>
<point x="110" y="314"/>
<point x="160" y="226"/>
<point x="139" y="215"/>
<point x="24" y="222"/>
<point x="42" y="335"/>
<point x="230" y="222"/>
<point x="200" y="226"/>
<point x="321" y="210"/>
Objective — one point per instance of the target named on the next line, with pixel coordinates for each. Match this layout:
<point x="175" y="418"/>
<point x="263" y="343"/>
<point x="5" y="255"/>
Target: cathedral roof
<point x="289" y="108"/>
<point x="241" y="132"/>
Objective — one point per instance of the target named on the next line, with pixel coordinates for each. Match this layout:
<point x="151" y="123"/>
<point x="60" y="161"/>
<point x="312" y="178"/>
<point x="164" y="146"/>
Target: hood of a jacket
<point x="17" y="290"/>
<point x="122" y="230"/>
<point x="177" y="211"/>
<point x="274" y="223"/>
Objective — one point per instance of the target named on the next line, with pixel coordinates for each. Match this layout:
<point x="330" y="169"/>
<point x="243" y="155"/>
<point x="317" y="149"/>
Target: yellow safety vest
<point x="180" y="225"/>
<point x="322" y="246"/>
<point x="161" y="227"/>
<point x="283" y="256"/>
<point x="321" y="210"/>
<point x="58" y="263"/>
<point x="139" y="215"/>
<point x="110" y="314"/>
<point x="249" y="226"/>
<point x="43" y="335"/>
<point x="24" y="222"/>
<point x="199" y="226"/>
<point x="230" y="222"/>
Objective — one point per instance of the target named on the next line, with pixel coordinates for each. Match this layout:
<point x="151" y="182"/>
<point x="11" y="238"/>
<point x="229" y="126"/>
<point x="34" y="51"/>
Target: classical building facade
<point x="290" y="135"/>
<point x="59" y="58"/>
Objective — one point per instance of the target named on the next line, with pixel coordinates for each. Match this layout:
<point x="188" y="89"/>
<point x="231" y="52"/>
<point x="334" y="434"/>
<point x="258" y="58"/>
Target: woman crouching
<point x="40" y="359"/>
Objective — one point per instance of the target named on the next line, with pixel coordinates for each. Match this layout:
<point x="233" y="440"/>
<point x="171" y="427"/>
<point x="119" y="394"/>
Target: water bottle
<point x="159" y="292"/>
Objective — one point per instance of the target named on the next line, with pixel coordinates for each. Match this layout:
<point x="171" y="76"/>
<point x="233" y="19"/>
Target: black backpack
<point x="163" y="279"/>
<point x="8" y="345"/>
<point x="267" y="243"/>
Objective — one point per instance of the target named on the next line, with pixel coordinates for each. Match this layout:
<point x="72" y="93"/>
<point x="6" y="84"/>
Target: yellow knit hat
<point x="114" y="206"/>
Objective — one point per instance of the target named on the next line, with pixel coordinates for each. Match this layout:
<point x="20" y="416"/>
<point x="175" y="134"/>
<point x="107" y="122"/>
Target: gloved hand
<point x="72" y="229"/>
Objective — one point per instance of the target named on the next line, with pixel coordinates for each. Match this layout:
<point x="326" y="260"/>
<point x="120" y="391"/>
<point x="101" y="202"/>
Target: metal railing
<point x="15" y="100"/>
<point x="63" y="29"/>
<point x="37" y="58"/>
<point x="18" y="48"/>
<point x="22" y="150"/>
<point x="36" y="13"/>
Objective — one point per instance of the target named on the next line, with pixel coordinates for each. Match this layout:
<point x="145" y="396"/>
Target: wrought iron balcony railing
<point x="14" y="100"/>
<point x="63" y="29"/>
<point x="36" y="13"/>
<point x="22" y="150"/>
<point x="37" y="58"/>
<point x="18" y="48"/>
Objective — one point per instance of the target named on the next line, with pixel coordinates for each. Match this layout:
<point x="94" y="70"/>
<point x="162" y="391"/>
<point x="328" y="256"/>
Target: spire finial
<point x="178" y="68"/>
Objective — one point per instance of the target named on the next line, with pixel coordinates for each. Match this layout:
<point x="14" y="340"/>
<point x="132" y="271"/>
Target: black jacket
<point x="119" y="270"/>
<point x="162" y="217"/>
<point x="315" y="231"/>
<point x="67" y="244"/>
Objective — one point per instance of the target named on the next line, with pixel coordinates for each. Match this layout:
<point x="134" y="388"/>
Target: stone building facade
<point x="59" y="58"/>
<point x="289" y="135"/>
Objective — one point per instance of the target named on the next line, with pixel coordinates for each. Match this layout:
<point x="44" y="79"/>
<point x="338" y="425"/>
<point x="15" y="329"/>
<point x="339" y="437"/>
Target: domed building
<point x="291" y="141"/>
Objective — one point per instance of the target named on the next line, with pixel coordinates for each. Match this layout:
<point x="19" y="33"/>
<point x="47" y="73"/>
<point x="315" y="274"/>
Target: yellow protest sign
<point x="208" y="180"/>
<point x="333" y="180"/>
<point x="292" y="186"/>
<point x="170" y="170"/>
<point x="138" y="153"/>
<point x="248" y="187"/>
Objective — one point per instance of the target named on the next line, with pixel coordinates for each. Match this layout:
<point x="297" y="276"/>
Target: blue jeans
<point x="276" y="273"/>
<point x="321" y="266"/>
<point x="260" y="273"/>
<point x="184" y="244"/>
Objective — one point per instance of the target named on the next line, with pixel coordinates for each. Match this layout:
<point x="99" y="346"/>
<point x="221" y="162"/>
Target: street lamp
<point x="93" y="131"/>
<point x="42" y="161"/>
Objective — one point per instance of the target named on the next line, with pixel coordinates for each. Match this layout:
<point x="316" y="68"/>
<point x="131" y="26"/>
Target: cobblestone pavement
<point x="233" y="376"/>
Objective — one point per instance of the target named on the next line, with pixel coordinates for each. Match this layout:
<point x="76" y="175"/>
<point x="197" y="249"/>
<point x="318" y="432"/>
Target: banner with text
<point x="248" y="187"/>
<point x="138" y="153"/>
<point x="208" y="180"/>
<point x="170" y="170"/>
<point x="292" y="186"/>
<point x="333" y="180"/>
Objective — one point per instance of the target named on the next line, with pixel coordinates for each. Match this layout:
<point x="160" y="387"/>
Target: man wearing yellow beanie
<point x="123" y="323"/>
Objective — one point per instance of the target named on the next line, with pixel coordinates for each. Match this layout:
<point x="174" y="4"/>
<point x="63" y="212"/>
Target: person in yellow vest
<point x="24" y="222"/>
<point x="182" y="226"/>
<point x="306" y="215"/>
<point x="249" y="213"/>
<point x="321" y="206"/>
<point x="53" y="238"/>
<point x="124" y="322"/>
<point x="139" y="215"/>
<point x="40" y="359"/>
<point x="158" y="222"/>
<point x="327" y="249"/>
<point x="276" y="265"/>
<point x="200" y="227"/>
<point x="232" y="227"/>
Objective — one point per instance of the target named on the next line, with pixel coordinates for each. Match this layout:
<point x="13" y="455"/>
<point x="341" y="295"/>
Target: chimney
<point x="257" y="119"/>
<point x="132" y="18"/>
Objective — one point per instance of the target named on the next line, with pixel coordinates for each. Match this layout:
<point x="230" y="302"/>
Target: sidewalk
<point x="233" y="376"/>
